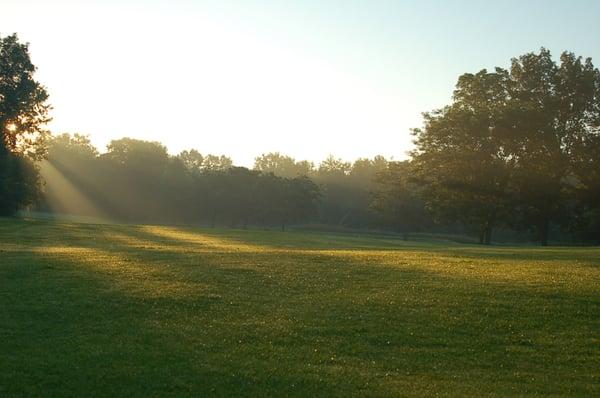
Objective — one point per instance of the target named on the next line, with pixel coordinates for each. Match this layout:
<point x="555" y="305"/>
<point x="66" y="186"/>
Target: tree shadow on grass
<point x="115" y="318"/>
<point x="502" y="266"/>
<point x="68" y="331"/>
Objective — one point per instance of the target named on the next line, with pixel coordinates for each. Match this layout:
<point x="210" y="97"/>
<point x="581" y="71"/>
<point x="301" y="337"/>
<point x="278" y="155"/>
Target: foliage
<point x="198" y="163"/>
<point x="517" y="148"/>
<point x="513" y="145"/>
<point x="282" y="165"/>
<point x="139" y="181"/>
<point x="23" y="107"/>
<point x="397" y="200"/>
<point x="23" y="114"/>
<point x="20" y="184"/>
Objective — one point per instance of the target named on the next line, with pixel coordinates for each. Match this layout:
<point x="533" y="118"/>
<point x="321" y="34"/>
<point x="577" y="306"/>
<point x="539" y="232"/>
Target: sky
<point x="304" y="78"/>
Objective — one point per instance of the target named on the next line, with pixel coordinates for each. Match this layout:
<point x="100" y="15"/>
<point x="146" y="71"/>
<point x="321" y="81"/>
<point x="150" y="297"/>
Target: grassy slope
<point x="138" y="310"/>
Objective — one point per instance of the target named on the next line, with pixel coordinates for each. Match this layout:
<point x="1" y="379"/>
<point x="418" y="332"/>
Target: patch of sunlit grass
<point x="153" y="310"/>
<point x="198" y="240"/>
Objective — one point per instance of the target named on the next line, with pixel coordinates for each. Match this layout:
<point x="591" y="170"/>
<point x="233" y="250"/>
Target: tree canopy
<point x="23" y="115"/>
<point x="517" y="149"/>
<point x="513" y="144"/>
<point x="23" y="101"/>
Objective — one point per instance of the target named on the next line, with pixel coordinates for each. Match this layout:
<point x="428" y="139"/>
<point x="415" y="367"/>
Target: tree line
<point x="517" y="149"/>
<point x="138" y="181"/>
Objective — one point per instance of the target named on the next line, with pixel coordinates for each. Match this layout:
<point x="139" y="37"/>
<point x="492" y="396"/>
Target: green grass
<point x="109" y="310"/>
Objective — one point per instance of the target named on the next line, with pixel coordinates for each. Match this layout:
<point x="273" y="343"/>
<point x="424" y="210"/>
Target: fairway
<point x="119" y="310"/>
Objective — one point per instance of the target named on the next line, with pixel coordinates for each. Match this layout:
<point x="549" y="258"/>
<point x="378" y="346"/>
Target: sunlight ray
<point x="63" y="197"/>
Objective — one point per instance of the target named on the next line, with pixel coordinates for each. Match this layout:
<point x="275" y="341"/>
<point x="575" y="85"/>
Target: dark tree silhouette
<point x="460" y="157"/>
<point x="278" y="164"/>
<point x="23" y="114"/>
<point x="397" y="200"/>
<point x="513" y="145"/>
<point x="554" y="116"/>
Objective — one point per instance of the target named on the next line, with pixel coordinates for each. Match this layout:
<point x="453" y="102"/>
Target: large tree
<point x="460" y="158"/>
<point x="554" y="113"/>
<point x="521" y="140"/>
<point x="23" y="106"/>
<point x="23" y="114"/>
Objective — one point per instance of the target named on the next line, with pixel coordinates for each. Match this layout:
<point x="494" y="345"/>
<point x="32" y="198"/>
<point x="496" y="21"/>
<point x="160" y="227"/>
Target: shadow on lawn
<point x="154" y="313"/>
<point x="245" y="240"/>
<point x="503" y="265"/>
<point x="493" y="265"/>
<point x="66" y="330"/>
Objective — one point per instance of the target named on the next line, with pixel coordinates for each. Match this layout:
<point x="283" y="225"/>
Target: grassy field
<point x="112" y="310"/>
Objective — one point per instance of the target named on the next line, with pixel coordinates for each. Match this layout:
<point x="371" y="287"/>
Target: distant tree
<point x="193" y="160"/>
<point x="332" y="178"/>
<point x="196" y="163"/>
<point x="305" y="168"/>
<point x="177" y="191"/>
<point x="276" y="163"/>
<point x="23" y="114"/>
<point x="357" y="188"/>
<point x="72" y="153"/>
<point x="333" y="169"/>
<point x="396" y="200"/>
<point x="302" y="197"/>
<point x="209" y="196"/>
<point x="282" y="165"/>
<point x="216" y="163"/>
<point x="271" y="200"/>
<point x="240" y="195"/>
<point x="364" y="170"/>
<point x="137" y="153"/>
<point x="346" y="189"/>
<point x="132" y="173"/>
<point x="75" y="145"/>
<point x="75" y="159"/>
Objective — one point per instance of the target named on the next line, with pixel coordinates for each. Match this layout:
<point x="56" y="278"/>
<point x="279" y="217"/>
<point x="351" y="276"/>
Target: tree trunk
<point x="282" y="227"/>
<point x="405" y="236"/>
<point x="482" y="236"/>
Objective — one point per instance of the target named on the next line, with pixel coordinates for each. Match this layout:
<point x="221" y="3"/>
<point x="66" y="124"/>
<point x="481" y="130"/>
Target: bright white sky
<point x="305" y="78"/>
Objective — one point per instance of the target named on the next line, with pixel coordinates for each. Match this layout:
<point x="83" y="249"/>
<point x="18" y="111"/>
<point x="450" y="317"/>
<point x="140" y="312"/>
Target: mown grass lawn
<point x="112" y="310"/>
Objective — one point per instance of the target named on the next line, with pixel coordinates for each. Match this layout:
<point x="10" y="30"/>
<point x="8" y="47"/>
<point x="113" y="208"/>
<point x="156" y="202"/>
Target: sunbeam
<point x="63" y="197"/>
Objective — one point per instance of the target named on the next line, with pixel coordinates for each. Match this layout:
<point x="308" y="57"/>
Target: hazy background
<point x="306" y="78"/>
